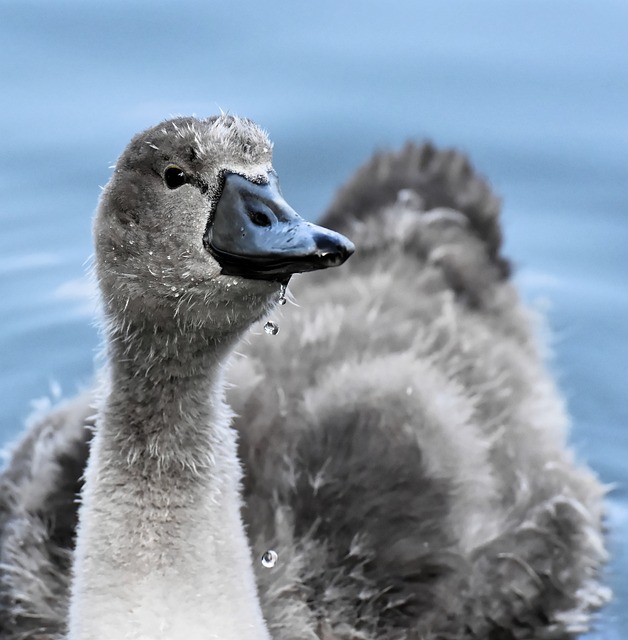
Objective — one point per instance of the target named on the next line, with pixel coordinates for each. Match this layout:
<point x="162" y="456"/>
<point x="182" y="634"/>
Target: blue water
<point x="535" y="90"/>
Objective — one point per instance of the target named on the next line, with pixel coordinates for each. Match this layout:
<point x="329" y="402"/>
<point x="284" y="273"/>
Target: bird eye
<point x="174" y="177"/>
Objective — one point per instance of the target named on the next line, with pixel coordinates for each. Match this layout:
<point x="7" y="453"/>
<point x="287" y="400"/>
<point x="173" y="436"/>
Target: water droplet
<point x="150" y="253"/>
<point x="269" y="558"/>
<point x="167" y="257"/>
<point x="131" y="242"/>
<point x="282" y="295"/>
<point x="176" y="295"/>
<point x="173" y="288"/>
<point x="409" y="391"/>
<point x="271" y="328"/>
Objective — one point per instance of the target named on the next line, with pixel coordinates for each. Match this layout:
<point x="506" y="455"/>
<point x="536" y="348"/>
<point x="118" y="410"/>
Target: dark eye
<point x="174" y="177"/>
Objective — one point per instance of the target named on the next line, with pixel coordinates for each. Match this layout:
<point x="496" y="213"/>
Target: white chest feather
<point x="167" y="562"/>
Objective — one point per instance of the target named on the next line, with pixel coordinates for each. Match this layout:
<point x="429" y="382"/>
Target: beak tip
<point x="333" y="249"/>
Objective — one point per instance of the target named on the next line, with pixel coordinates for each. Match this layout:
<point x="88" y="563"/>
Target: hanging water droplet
<point x="271" y="328"/>
<point x="282" y="295"/>
<point x="173" y="288"/>
<point x="269" y="558"/>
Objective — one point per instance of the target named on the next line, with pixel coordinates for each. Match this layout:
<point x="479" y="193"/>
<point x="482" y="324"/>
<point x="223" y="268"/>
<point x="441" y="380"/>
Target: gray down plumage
<point x="404" y="447"/>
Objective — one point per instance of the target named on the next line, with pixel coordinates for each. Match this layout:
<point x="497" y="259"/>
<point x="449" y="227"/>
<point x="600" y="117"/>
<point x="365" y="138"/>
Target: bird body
<point x="399" y="442"/>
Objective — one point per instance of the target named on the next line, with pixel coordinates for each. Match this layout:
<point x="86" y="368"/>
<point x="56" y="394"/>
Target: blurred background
<point x="536" y="91"/>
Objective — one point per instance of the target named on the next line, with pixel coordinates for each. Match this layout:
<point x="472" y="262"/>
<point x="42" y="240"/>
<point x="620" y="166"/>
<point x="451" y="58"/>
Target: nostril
<point x="260" y="219"/>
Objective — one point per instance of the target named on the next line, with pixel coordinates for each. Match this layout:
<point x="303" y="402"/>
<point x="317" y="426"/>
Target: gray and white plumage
<point x="404" y="448"/>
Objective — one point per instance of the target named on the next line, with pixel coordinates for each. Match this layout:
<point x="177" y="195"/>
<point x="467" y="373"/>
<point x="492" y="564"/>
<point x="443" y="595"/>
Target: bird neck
<point x="161" y="549"/>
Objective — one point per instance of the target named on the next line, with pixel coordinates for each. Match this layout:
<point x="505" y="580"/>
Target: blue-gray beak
<point x="254" y="233"/>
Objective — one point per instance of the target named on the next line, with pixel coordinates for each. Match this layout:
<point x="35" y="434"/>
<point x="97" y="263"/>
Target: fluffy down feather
<point x="404" y="447"/>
